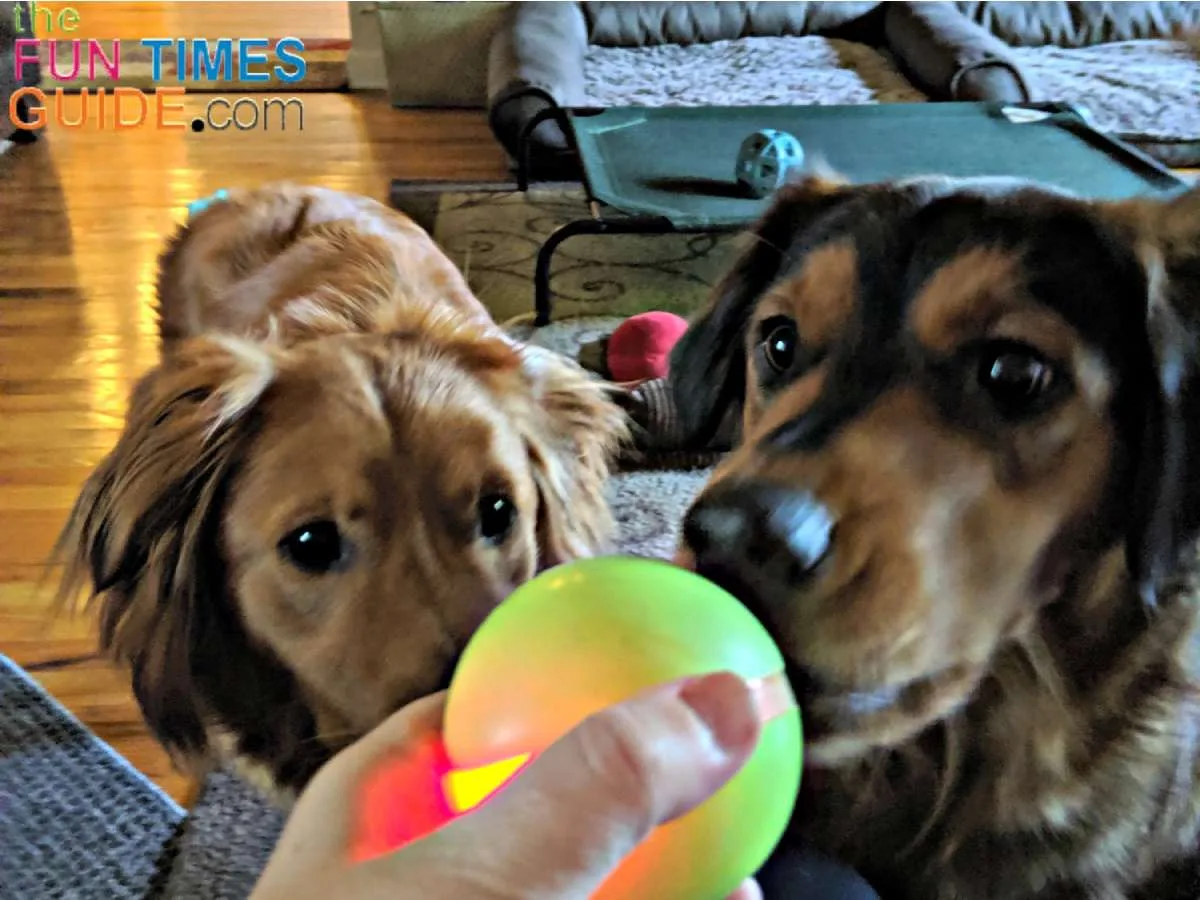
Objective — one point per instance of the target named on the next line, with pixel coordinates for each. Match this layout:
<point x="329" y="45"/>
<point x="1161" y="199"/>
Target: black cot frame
<point x="603" y="219"/>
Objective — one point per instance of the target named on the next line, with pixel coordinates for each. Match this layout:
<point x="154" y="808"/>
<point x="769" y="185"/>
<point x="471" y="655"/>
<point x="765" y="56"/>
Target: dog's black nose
<point x="741" y="524"/>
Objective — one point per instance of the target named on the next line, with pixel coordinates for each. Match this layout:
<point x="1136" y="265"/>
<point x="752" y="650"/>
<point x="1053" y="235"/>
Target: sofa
<point x="1134" y="66"/>
<point x="9" y="32"/>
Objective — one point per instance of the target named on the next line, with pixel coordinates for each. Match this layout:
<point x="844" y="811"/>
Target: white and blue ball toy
<point x="764" y="160"/>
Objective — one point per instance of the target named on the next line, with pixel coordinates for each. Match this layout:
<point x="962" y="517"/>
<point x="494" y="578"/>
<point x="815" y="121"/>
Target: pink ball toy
<point x="640" y="348"/>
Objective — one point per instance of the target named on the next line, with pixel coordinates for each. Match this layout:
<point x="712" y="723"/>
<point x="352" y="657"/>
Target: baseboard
<point x="448" y="186"/>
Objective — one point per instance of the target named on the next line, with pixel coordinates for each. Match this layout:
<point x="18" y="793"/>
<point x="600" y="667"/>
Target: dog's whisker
<point x="330" y="738"/>
<point x="760" y="239"/>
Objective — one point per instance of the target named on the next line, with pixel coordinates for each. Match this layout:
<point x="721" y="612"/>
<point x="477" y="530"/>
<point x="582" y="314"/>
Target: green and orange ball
<point x="591" y="633"/>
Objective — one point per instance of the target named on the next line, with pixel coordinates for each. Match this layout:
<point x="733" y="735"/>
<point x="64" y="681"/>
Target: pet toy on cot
<point x="572" y="641"/>
<point x="765" y="160"/>
<point x="198" y="206"/>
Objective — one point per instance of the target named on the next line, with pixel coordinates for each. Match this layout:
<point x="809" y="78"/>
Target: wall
<point x="436" y="53"/>
<point x="365" y="64"/>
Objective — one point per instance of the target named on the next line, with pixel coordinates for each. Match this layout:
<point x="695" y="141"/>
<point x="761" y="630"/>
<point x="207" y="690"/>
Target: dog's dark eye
<point x="315" y="547"/>
<point x="1015" y="376"/>
<point x="497" y="513"/>
<point x="778" y="344"/>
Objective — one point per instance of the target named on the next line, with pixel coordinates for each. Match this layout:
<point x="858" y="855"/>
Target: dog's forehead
<point x="369" y="395"/>
<point x="371" y="424"/>
<point x="930" y="252"/>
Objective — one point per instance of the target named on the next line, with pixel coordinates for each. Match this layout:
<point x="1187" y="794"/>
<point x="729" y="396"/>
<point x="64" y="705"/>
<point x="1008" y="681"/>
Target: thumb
<point x="584" y="804"/>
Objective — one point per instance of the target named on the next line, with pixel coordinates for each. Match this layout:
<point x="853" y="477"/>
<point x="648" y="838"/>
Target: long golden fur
<point x="965" y="502"/>
<point x="339" y="467"/>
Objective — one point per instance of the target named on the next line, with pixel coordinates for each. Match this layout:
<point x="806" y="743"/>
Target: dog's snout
<point x="756" y="524"/>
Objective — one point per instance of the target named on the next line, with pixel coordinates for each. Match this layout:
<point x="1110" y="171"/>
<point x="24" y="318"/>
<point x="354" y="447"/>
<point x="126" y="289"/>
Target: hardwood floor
<point x="83" y="214"/>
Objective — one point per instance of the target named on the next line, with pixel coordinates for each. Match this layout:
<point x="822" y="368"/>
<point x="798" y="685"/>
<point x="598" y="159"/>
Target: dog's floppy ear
<point x="572" y="435"/>
<point x="141" y="540"/>
<point x="708" y="364"/>
<point x="1166" y="512"/>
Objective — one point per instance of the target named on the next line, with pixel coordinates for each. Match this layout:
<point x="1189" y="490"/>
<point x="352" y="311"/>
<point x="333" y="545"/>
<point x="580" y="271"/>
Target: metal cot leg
<point x="542" y="298"/>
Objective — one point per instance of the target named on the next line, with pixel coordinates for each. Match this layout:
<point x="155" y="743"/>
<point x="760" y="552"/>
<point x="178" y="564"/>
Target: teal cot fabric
<point x="678" y="163"/>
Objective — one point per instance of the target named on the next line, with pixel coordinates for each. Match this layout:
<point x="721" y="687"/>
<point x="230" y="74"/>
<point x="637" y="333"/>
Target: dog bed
<point x="753" y="71"/>
<point x="1134" y="65"/>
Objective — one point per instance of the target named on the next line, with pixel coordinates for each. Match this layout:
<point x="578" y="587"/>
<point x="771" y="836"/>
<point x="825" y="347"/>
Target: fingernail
<point x="725" y="705"/>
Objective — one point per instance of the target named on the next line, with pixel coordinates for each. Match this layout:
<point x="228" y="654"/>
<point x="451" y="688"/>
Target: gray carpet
<point x="224" y="844"/>
<point x="76" y="820"/>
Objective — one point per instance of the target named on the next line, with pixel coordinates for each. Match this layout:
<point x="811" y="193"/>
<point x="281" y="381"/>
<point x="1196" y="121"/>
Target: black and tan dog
<point x="965" y="503"/>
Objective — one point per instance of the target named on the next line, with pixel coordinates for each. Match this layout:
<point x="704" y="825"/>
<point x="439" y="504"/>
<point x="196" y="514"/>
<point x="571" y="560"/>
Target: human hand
<point x="555" y="833"/>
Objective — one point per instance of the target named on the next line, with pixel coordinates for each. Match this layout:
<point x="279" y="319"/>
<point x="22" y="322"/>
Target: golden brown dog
<point x="965" y="502"/>
<point x="337" y="470"/>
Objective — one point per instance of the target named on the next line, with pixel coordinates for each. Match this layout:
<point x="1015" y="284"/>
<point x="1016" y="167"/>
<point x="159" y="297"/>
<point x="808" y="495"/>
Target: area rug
<point x="76" y="820"/>
<point x="494" y="237"/>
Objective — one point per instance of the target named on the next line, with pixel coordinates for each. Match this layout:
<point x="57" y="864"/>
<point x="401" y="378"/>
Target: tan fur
<point x="326" y="363"/>
<point x="967" y="296"/>
<point x="820" y="296"/>
<point x="296" y="261"/>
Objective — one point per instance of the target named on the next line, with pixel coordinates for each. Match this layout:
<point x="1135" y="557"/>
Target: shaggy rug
<point x="1144" y="92"/>
<point x="766" y="71"/>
